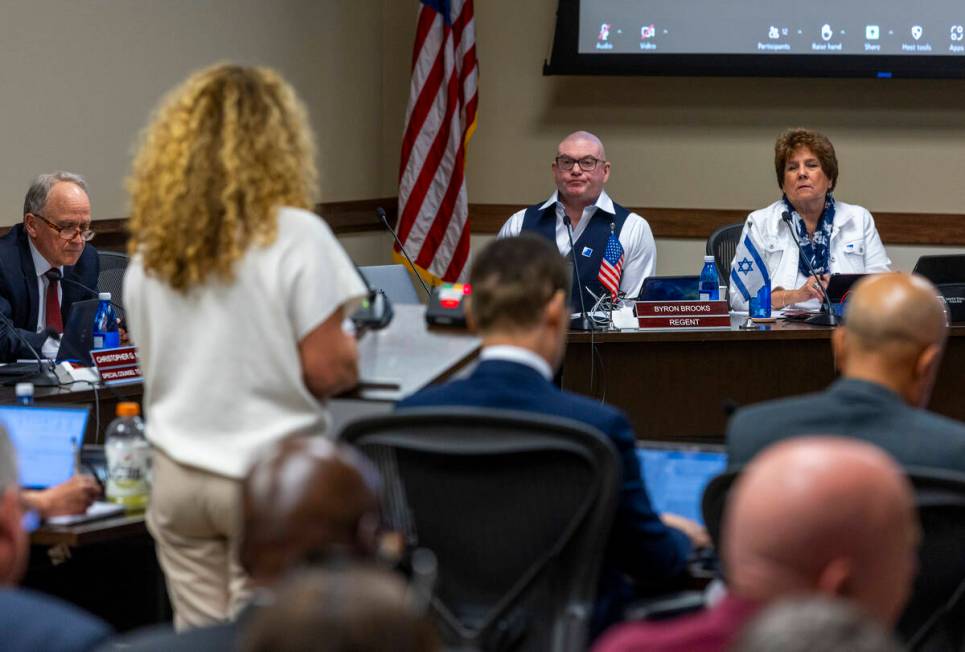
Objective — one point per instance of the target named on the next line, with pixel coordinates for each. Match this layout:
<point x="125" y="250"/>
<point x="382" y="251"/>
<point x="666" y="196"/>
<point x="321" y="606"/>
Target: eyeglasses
<point x="68" y="232"/>
<point x="587" y="163"/>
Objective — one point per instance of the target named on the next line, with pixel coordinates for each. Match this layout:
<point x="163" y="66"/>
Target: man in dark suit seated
<point x="888" y="352"/>
<point x="519" y="306"/>
<point x="305" y="500"/>
<point x="42" y="260"/>
<point x="28" y="620"/>
<point x="810" y="516"/>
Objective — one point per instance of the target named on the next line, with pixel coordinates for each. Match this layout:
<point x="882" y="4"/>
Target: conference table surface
<point x="681" y="385"/>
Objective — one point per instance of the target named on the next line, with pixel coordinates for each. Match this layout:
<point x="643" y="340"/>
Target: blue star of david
<point x="745" y="266"/>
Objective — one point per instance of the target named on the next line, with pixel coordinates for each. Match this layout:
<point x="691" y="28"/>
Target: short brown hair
<point x="512" y="281"/>
<point x="789" y="141"/>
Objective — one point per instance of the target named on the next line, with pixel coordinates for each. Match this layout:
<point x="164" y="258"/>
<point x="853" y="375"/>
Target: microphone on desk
<point x="385" y="222"/>
<point x="56" y="275"/>
<point x="376" y="312"/>
<point x="824" y="319"/>
<point x="45" y="376"/>
<point x="584" y="324"/>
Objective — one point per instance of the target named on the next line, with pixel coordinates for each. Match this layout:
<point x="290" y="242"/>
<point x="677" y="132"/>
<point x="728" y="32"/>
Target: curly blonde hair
<point x="224" y="150"/>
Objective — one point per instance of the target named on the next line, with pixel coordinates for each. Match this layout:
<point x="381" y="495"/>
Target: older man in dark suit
<point x="519" y="306"/>
<point x="44" y="264"/>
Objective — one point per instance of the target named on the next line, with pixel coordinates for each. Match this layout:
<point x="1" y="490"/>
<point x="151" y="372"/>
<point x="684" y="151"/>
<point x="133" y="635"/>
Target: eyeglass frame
<point x="86" y="234"/>
<point x="579" y="161"/>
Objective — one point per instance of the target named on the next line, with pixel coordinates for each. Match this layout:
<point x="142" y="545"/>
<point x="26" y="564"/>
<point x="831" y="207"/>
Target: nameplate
<point x="711" y="321"/>
<point x="682" y="308"/>
<point x="117" y="366"/>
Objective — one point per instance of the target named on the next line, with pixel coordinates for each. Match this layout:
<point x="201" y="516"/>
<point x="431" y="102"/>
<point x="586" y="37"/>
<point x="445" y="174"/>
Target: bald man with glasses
<point x="40" y="258"/>
<point x="580" y="170"/>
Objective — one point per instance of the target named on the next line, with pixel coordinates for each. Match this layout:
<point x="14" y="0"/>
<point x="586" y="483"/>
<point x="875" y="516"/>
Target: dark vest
<point x="588" y="249"/>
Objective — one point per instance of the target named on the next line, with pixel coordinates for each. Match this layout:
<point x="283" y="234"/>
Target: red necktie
<point x="52" y="303"/>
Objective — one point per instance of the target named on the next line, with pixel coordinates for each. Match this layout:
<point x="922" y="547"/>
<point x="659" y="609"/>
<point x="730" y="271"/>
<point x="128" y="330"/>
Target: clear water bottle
<point x="709" y="283"/>
<point x="128" y="459"/>
<point x="25" y="393"/>
<point x="106" y="333"/>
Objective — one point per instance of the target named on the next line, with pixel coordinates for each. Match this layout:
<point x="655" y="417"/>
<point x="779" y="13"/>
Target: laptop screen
<point x="670" y="288"/>
<point x="676" y="476"/>
<point x="46" y="440"/>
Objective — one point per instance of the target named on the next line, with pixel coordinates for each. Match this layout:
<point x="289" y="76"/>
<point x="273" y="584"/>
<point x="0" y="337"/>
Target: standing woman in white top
<point x="838" y="238"/>
<point x="235" y="296"/>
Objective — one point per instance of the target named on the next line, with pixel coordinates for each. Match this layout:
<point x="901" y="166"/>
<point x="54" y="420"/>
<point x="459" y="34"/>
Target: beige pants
<point x="195" y="519"/>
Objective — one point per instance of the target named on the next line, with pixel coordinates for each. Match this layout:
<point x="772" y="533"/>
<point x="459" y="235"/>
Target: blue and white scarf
<point x="818" y="248"/>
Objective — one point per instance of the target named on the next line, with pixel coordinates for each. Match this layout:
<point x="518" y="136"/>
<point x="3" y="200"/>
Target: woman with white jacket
<point x="838" y="238"/>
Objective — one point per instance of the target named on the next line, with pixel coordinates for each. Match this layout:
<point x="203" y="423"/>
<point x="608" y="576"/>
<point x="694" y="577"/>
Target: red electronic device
<point x="446" y="305"/>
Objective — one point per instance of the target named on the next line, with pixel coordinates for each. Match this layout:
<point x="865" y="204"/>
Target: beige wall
<point x="80" y="79"/>
<point x="688" y="143"/>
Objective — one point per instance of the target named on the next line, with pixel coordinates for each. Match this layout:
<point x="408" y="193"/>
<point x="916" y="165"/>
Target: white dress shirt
<point x="509" y="353"/>
<point x="639" y="248"/>
<point x="51" y="346"/>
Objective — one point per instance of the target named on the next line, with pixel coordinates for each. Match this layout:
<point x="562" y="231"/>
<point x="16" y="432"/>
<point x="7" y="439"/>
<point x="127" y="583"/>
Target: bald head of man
<point x="894" y="335"/>
<point x="307" y="498"/>
<point x="577" y="186"/>
<point x="827" y="515"/>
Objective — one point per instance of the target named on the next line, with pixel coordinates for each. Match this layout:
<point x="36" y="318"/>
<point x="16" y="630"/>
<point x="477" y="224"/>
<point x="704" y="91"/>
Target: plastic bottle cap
<point x="709" y="259"/>
<point x="104" y="296"/>
<point x="128" y="409"/>
<point x="24" y="389"/>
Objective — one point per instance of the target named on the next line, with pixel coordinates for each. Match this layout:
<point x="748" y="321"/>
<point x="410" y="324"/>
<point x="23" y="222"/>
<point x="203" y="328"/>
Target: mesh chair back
<point x="111" y="277"/>
<point x="517" y="509"/>
<point x="934" y="618"/>
<point x="722" y="245"/>
<point x="393" y="280"/>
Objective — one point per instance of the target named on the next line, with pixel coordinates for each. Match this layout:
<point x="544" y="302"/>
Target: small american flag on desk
<point x="611" y="268"/>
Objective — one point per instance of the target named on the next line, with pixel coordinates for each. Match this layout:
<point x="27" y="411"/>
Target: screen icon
<point x="917" y="31"/>
<point x="826" y="32"/>
<point x="871" y="32"/>
<point x="958" y="33"/>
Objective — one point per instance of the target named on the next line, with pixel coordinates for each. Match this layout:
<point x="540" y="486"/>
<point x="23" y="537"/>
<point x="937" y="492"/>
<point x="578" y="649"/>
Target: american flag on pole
<point x="611" y="267"/>
<point x="441" y="117"/>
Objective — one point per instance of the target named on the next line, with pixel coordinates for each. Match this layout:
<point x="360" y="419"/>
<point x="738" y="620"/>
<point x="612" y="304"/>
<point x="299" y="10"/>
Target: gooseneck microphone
<point x="58" y="276"/>
<point x="45" y="376"/>
<point x="585" y="323"/>
<point x="824" y="319"/>
<point x="388" y="227"/>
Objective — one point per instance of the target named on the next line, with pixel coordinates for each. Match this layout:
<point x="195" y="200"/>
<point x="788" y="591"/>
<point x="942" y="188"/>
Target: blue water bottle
<point x="709" y="283"/>
<point x="106" y="334"/>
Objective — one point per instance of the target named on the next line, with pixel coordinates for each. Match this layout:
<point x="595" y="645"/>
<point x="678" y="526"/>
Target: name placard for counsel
<point x="117" y="366"/>
<point x="683" y="314"/>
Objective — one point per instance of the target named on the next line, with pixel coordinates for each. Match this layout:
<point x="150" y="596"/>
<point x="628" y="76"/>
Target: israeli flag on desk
<point x="748" y="273"/>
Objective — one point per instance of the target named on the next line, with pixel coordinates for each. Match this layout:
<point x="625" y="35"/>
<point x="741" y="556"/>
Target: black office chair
<point x="934" y="618"/>
<point x="111" y="277"/>
<point x="517" y="509"/>
<point x="722" y="244"/>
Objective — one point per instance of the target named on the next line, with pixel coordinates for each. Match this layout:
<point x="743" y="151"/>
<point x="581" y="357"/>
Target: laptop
<point x="942" y="269"/>
<point x="47" y="440"/>
<point x="676" y="475"/>
<point x="78" y="337"/>
<point x="948" y="275"/>
<point x="670" y="288"/>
